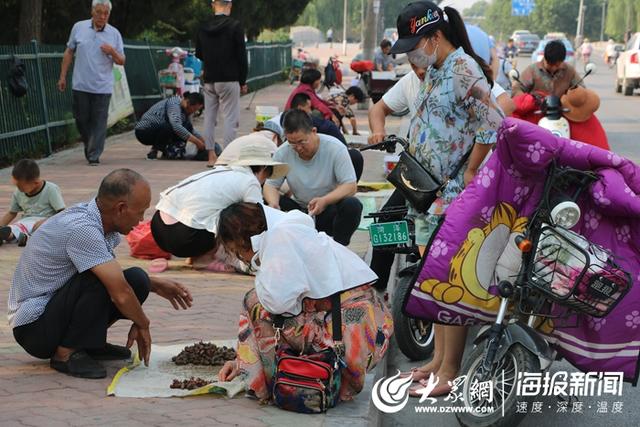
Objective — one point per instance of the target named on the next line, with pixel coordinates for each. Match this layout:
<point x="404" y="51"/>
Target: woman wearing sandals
<point x="298" y="269"/>
<point x="456" y="115"/>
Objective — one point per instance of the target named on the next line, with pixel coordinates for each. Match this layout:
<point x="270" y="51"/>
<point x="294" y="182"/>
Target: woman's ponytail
<point x="456" y="33"/>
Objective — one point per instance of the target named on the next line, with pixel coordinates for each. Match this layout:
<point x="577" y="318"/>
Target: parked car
<point x="555" y="36"/>
<point x="517" y="33"/>
<point x="628" y="67"/>
<point x="526" y="43"/>
<point x="538" y="53"/>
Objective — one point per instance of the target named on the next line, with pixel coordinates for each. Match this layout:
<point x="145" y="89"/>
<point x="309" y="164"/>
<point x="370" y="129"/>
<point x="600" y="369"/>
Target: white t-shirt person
<point x="198" y="200"/>
<point x="404" y="94"/>
<point x="330" y="167"/>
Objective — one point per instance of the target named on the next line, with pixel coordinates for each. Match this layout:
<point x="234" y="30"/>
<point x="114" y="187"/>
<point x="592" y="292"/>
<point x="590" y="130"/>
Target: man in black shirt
<point x="221" y="46"/>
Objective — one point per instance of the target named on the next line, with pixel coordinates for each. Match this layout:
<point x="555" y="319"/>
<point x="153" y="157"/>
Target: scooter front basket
<point x="573" y="272"/>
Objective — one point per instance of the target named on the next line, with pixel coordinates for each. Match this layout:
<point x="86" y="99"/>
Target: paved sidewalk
<point x="31" y="394"/>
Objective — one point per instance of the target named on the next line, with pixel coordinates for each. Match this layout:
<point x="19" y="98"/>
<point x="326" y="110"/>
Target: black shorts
<point x="181" y="240"/>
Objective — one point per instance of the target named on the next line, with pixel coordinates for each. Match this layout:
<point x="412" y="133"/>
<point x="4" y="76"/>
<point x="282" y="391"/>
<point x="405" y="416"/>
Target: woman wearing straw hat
<point x="186" y="221"/>
<point x="582" y="104"/>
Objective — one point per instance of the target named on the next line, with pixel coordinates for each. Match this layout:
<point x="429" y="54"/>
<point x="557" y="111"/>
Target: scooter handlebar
<point x="388" y="144"/>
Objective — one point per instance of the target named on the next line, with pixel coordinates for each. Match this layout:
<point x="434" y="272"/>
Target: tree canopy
<point x="547" y="16"/>
<point x="161" y="19"/>
<point x="622" y="15"/>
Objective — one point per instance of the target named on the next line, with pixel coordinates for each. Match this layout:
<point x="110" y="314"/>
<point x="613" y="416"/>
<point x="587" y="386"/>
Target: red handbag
<point x="310" y="383"/>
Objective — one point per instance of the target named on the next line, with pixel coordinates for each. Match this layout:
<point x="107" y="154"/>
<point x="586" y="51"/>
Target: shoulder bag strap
<point x="462" y="161"/>
<point x="175" y="187"/>
<point x="336" y="320"/>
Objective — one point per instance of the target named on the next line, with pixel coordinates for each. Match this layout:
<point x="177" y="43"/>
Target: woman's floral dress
<point x="455" y="108"/>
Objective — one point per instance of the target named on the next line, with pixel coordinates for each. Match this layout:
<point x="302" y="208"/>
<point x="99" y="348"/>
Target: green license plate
<point x="389" y="233"/>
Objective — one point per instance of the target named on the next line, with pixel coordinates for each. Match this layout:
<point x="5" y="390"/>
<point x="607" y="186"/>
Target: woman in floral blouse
<point x="455" y="109"/>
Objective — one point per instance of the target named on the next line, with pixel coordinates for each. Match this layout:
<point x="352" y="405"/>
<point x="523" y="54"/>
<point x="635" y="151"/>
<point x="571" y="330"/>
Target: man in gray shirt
<point x="382" y="59"/>
<point x="97" y="46"/>
<point x="68" y="289"/>
<point x="321" y="178"/>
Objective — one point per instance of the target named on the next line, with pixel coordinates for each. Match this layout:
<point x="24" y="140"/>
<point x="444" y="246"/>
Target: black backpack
<point x="330" y="77"/>
<point x="17" y="77"/>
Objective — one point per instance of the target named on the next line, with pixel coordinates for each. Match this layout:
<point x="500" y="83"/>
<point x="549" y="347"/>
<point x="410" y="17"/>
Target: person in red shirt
<point x="310" y="81"/>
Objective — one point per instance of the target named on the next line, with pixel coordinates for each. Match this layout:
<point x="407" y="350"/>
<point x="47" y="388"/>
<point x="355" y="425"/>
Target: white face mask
<point x="419" y="58"/>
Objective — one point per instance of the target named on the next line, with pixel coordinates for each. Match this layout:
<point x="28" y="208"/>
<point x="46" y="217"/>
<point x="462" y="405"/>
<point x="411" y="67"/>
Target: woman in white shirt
<point x="298" y="269"/>
<point x="186" y="220"/>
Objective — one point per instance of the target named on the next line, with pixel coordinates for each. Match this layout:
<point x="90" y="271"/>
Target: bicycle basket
<point x="573" y="272"/>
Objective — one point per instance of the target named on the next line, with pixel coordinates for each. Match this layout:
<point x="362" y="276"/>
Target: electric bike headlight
<point x="566" y="214"/>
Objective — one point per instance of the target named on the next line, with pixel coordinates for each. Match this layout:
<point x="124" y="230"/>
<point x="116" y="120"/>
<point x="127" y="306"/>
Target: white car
<point x="628" y="73"/>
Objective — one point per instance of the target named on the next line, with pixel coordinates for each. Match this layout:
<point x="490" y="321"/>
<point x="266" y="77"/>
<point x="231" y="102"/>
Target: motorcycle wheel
<point x="414" y="337"/>
<point x="516" y="359"/>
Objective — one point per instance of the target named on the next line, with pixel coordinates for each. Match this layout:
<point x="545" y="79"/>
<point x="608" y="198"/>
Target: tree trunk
<point x="370" y="32"/>
<point x="30" y="27"/>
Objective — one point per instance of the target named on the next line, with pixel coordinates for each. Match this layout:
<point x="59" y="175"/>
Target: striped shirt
<point x="167" y="111"/>
<point x="69" y="243"/>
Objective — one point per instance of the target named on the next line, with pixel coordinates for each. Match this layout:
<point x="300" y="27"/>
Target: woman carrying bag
<point x="300" y="275"/>
<point x="457" y="117"/>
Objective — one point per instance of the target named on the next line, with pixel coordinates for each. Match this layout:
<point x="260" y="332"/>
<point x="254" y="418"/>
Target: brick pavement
<point x="31" y="394"/>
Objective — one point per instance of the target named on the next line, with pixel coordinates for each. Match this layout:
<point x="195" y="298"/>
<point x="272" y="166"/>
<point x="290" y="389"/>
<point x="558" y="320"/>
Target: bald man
<point x="68" y="288"/>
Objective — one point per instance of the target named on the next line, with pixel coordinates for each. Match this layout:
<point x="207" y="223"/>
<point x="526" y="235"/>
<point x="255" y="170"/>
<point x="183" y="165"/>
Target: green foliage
<point x="160" y="20"/>
<point x="622" y="15"/>
<point x="479" y="8"/>
<point x="274" y="36"/>
<point x="548" y="16"/>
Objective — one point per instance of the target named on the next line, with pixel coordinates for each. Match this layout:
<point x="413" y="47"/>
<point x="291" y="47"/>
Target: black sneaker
<point x="94" y="162"/>
<point x="5" y="232"/>
<point x="153" y="154"/>
<point x="22" y="240"/>
<point x="110" y="352"/>
<point x="79" y="365"/>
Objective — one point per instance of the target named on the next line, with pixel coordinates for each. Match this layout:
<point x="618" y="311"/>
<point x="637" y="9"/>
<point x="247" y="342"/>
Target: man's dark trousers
<point x="339" y="221"/>
<point x="91" y="111"/>
<point x="78" y="315"/>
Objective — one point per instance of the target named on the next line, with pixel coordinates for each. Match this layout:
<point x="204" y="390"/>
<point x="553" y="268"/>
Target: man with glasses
<point x="97" y="46"/>
<point x="321" y="178"/>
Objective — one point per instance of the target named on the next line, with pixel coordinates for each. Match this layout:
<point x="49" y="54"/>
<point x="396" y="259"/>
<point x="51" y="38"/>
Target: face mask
<point x="419" y="58"/>
<point x="253" y="265"/>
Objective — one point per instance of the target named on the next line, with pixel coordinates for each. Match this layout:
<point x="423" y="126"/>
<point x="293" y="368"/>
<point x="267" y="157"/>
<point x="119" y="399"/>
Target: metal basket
<point x="573" y="272"/>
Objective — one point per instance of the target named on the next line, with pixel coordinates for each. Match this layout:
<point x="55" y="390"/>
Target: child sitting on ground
<point x="35" y="198"/>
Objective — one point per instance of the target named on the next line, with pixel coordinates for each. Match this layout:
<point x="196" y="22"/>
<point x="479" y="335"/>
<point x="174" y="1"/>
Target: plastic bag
<point x="143" y="245"/>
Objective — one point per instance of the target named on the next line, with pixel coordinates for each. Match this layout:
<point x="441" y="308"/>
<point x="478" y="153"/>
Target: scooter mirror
<point x="514" y="74"/>
<point x="590" y="68"/>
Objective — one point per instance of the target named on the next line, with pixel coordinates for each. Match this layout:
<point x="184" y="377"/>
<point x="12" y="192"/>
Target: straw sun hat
<point x="581" y="103"/>
<point x="260" y="155"/>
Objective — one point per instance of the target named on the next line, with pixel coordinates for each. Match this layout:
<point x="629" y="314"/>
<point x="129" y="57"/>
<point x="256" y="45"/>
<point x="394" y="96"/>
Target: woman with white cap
<point x="456" y="122"/>
<point x="186" y="221"/>
<point x="298" y="270"/>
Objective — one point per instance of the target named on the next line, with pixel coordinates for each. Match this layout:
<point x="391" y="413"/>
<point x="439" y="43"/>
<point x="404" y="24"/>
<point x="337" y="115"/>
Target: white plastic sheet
<point x="137" y="380"/>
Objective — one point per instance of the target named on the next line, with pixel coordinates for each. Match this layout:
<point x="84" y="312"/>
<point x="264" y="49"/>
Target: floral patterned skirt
<point x="367" y="326"/>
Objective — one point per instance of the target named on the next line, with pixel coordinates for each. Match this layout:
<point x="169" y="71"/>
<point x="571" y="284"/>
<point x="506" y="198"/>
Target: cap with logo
<point x="414" y="22"/>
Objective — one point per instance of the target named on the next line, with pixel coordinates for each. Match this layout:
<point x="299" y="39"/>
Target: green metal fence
<point x="42" y="121"/>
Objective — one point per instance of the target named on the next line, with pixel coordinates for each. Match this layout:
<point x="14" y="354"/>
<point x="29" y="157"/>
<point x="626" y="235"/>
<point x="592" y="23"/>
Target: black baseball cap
<point x="416" y="20"/>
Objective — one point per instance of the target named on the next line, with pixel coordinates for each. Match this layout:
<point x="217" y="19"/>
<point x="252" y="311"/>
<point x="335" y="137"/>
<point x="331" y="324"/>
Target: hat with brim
<point x="581" y="102"/>
<point x="259" y="155"/>
<point x="414" y="22"/>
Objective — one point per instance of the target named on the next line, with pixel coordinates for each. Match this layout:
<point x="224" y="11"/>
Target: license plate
<point x="389" y="233"/>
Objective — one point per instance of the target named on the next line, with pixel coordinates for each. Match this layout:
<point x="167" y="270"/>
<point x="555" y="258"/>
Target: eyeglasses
<point x="298" y="143"/>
